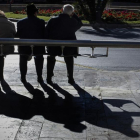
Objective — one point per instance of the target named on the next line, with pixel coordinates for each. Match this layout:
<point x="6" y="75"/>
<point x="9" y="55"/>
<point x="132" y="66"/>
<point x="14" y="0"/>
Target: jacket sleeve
<point x="14" y="30"/>
<point x="78" y="23"/>
<point x="43" y="29"/>
<point x="47" y="29"/>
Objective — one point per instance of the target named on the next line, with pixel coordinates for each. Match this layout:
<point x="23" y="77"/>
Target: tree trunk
<point x="88" y="8"/>
<point x="84" y="10"/>
<point x="92" y="8"/>
<point x="104" y="5"/>
<point x="100" y="8"/>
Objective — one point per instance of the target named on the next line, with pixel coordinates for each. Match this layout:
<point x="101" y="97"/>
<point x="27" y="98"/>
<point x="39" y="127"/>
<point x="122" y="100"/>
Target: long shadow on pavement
<point x="120" y="33"/>
<point x="116" y="121"/>
<point x="70" y="111"/>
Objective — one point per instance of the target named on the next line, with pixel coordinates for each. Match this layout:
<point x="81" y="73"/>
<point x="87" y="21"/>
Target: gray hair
<point x="2" y="13"/>
<point x="68" y="9"/>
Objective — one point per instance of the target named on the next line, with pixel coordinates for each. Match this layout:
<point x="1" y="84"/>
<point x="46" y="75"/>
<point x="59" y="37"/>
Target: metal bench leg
<point x="107" y="52"/>
<point x="92" y="55"/>
<point x="32" y="50"/>
<point x="62" y="48"/>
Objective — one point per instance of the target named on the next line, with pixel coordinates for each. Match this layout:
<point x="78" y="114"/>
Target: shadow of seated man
<point x="37" y="94"/>
<point x="13" y="104"/>
<point x="7" y="30"/>
<point x="63" y="110"/>
<point x="119" y="120"/>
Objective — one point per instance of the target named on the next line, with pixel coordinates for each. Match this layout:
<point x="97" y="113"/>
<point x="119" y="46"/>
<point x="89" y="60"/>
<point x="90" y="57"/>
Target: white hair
<point x="68" y="9"/>
<point x="2" y="13"/>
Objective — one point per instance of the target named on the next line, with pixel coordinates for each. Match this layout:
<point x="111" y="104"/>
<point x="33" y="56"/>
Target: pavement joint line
<point x="93" y="88"/>
<point x="82" y="66"/>
<point x="18" y="131"/>
<point x="15" y="70"/>
<point x="88" y="67"/>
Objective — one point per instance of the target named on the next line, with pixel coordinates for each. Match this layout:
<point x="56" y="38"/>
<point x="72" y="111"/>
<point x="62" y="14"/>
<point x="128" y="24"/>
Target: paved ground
<point x="103" y="105"/>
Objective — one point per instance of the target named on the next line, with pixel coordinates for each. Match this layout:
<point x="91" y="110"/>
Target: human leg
<point x="39" y="61"/>
<point x="50" y="67"/>
<point x="23" y="67"/>
<point x="1" y="67"/>
<point x="70" y="65"/>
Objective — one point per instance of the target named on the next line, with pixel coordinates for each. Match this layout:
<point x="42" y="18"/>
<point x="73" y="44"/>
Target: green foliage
<point x="107" y="18"/>
<point x="86" y="8"/>
<point x="92" y="9"/>
<point x="124" y="15"/>
<point x="42" y="12"/>
<point x="15" y="16"/>
<point x="20" y="16"/>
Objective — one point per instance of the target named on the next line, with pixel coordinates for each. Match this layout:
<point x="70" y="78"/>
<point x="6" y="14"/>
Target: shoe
<point x="40" y="80"/>
<point x="1" y="79"/>
<point x="49" y="81"/>
<point x="71" y="81"/>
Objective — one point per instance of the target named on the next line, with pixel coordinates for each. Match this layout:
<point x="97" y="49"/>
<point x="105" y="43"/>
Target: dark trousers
<point x="1" y="67"/>
<point x="51" y="63"/>
<point x="39" y="60"/>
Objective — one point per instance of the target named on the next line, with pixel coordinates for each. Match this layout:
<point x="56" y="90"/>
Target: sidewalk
<point x="103" y="105"/>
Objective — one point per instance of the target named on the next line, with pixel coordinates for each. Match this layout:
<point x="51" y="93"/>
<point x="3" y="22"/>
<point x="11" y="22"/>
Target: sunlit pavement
<point x="102" y="105"/>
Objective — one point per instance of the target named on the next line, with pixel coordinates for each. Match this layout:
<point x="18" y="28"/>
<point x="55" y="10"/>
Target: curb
<point x="97" y="25"/>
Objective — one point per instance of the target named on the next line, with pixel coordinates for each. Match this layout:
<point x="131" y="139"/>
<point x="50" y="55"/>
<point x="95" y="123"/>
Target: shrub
<point x="114" y="15"/>
<point x="49" y="12"/>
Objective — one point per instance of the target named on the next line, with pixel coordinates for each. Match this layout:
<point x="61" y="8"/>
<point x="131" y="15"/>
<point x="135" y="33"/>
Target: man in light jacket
<point x="7" y="30"/>
<point x="62" y="27"/>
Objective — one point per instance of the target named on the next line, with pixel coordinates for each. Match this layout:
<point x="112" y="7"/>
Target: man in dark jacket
<point x="7" y="30"/>
<point x="31" y="28"/>
<point x="62" y="27"/>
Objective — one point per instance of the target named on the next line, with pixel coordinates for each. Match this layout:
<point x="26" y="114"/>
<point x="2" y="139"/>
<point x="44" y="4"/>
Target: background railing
<point x="69" y="43"/>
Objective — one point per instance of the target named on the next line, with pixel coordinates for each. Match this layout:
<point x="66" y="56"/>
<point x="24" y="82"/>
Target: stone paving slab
<point x="116" y="93"/>
<point x="9" y="127"/>
<point x="29" y="130"/>
<point x="51" y="129"/>
<point x="94" y="124"/>
<point x="133" y="80"/>
<point x="113" y="79"/>
<point x="103" y="105"/>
